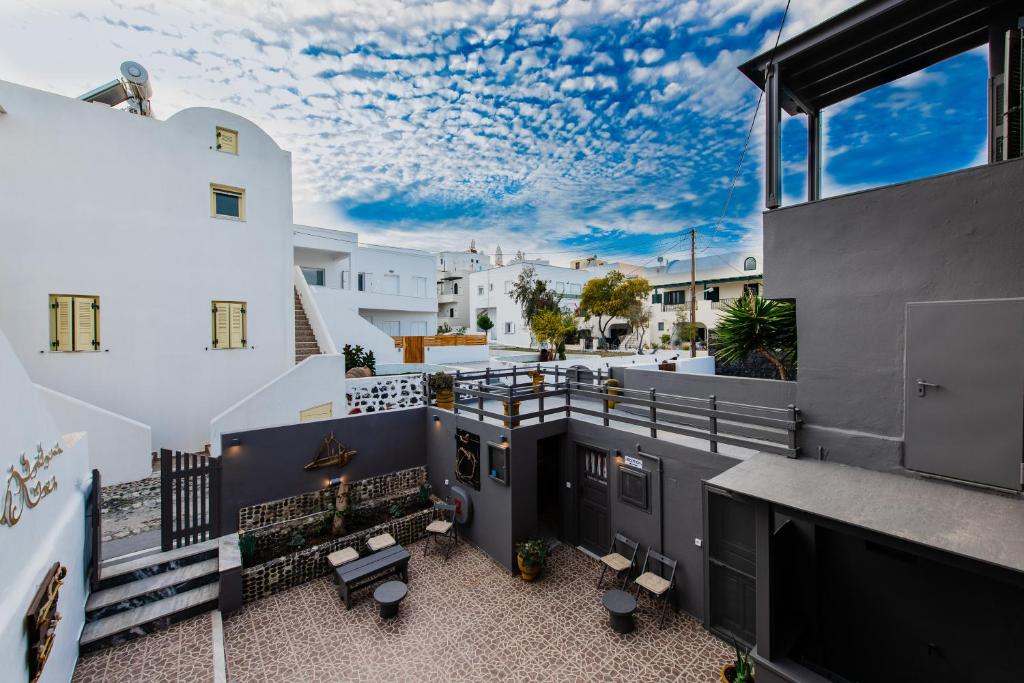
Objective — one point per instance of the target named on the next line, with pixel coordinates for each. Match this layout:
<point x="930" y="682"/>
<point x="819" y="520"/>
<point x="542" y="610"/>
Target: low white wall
<point x="456" y="354"/>
<point x="122" y="449"/>
<point x="52" y="531"/>
<point x="316" y="320"/>
<point x="317" y="380"/>
<point x="346" y="326"/>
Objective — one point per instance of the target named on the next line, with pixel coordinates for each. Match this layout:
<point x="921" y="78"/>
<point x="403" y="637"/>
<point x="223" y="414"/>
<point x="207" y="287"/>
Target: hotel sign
<point x="27" y="485"/>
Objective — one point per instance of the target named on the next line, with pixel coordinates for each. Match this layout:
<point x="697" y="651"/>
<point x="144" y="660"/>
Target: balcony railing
<point x="723" y="304"/>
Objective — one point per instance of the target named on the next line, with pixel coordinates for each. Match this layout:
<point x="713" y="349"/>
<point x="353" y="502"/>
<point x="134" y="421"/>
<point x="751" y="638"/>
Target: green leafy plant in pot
<point x="443" y="384"/>
<point x="530" y="556"/>
<point x="742" y="671"/>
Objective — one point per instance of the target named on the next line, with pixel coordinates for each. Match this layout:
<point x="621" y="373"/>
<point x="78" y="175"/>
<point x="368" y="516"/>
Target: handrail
<point x="774" y="430"/>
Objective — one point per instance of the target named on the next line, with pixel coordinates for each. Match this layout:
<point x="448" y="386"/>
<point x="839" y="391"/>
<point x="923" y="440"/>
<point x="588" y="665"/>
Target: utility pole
<point x="693" y="293"/>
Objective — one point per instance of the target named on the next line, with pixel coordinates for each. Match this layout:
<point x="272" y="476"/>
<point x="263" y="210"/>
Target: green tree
<point x="611" y="296"/>
<point x="484" y="322"/>
<point x="639" y="318"/>
<point x="533" y="296"/>
<point x="753" y="324"/>
<point x="552" y="327"/>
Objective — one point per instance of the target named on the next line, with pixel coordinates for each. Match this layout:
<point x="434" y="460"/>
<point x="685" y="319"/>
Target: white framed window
<point x="508" y="286"/>
<point x="74" y="322"/>
<point x="490" y="286"/>
<point x="227" y="202"/>
<point x="363" y="281"/>
<point x="661" y="327"/>
<point x="451" y="312"/>
<point x="480" y="290"/>
<point x="510" y="328"/>
<point x="560" y="287"/>
<point x="419" y="285"/>
<point x="391" y="327"/>
<point x="314" y="276"/>
<point x="345" y="277"/>
<point x="389" y="284"/>
<point x="574" y="288"/>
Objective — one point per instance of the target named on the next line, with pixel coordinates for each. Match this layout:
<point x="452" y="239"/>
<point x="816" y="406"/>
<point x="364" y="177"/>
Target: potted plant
<point x="530" y="555"/>
<point x="442" y="384"/>
<point x="537" y="377"/>
<point x="742" y="671"/>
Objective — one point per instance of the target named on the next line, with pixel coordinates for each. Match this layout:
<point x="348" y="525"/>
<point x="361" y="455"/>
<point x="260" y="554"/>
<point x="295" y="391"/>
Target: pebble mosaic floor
<point x="467" y="620"/>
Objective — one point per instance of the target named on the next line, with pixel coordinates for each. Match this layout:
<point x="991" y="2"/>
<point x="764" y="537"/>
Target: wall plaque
<point x="41" y="620"/>
<point x="25" y="487"/>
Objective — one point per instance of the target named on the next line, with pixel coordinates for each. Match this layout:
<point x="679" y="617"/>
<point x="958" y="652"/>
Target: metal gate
<point x="94" y="529"/>
<point x="189" y="498"/>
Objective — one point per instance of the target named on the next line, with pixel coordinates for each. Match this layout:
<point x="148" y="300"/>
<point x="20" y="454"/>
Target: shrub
<point x="441" y="381"/>
<point x="357" y="357"/>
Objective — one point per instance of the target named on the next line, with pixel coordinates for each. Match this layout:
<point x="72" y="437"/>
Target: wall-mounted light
<point x="504" y="441"/>
<point x="235" y="441"/>
<point x="617" y="454"/>
<point x="336" y="481"/>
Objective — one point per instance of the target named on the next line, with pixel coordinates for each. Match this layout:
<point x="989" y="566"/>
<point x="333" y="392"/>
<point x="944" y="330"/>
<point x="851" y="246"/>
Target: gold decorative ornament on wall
<point x="25" y="489"/>
<point x="331" y="452"/>
<point x="42" y="619"/>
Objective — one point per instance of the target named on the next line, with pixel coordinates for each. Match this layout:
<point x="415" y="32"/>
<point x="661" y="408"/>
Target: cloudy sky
<point x="559" y="127"/>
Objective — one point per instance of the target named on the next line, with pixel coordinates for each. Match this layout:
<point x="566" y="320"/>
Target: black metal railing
<point x="755" y="427"/>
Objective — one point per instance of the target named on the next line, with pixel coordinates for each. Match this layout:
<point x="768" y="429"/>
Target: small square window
<point x="634" y="488"/>
<point x="227" y="140"/>
<point x="227" y="202"/>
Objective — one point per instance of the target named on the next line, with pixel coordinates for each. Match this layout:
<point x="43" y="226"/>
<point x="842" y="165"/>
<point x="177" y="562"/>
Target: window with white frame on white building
<point x="510" y="328"/>
<point x="480" y="290"/>
<point x="661" y="327"/>
<point x="508" y="286"/>
<point x="389" y="284"/>
<point x="575" y="288"/>
<point x="451" y="312"/>
<point x="419" y="285"/>
<point x="674" y="297"/>
<point x="391" y="327"/>
<point x="345" y="277"/>
<point x="490" y="286"/>
<point x="560" y="287"/>
<point x="363" y="281"/>
<point x="314" y="276"/>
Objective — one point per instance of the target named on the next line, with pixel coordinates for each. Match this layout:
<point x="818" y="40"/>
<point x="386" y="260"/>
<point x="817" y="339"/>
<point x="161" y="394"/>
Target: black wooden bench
<point x="366" y="570"/>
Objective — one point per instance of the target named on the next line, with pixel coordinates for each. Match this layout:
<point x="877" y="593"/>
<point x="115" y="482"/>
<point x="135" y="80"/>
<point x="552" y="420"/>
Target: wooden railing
<point x="759" y="428"/>
<point x="446" y="340"/>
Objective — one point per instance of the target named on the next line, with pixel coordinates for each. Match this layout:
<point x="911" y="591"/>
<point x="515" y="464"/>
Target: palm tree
<point x="753" y="324"/>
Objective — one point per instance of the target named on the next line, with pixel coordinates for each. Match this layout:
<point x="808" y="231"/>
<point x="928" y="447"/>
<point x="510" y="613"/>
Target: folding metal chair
<point x="443" y="528"/>
<point x="620" y="558"/>
<point x="655" y="582"/>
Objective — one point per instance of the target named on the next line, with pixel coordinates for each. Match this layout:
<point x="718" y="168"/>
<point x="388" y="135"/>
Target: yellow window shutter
<point x="85" y="312"/>
<point x="227" y="140"/>
<point x="237" y="323"/>
<point x="60" y="337"/>
<point x="221" y="337"/>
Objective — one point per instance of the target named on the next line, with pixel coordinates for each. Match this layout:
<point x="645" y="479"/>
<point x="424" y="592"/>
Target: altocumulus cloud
<point x="554" y="126"/>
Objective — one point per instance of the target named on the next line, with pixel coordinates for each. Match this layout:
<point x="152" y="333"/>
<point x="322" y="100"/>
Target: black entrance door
<point x="592" y="487"/>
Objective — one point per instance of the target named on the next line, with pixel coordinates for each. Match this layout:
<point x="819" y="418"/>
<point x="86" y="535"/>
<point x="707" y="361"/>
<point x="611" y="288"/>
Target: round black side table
<point x="388" y="595"/>
<point x="621" y="606"/>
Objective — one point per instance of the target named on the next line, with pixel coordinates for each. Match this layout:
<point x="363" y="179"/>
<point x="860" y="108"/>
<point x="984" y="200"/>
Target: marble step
<point x="148" y="562"/>
<point x="133" y="622"/>
<point x="151" y="584"/>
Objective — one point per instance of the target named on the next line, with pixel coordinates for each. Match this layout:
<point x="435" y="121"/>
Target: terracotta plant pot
<point x="445" y="399"/>
<point x="529" y="572"/>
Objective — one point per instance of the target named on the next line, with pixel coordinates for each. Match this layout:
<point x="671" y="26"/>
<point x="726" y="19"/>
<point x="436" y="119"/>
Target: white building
<point x="34" y="539"/>
<point x="367" y="294"/>
<point x="453" y="271"/>
<point x="490" y="292"/>
<point x="147" y="264"/>
<point x="720" y="280"/>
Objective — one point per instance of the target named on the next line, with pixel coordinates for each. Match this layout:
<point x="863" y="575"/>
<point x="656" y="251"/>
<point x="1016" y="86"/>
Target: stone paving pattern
<point x="468" y="620"/>
<point x="181" y="654"/>
<point x="130" y="508"/>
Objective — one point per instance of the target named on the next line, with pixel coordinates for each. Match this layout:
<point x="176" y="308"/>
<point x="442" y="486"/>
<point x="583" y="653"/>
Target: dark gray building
<point x="893" y="547"/>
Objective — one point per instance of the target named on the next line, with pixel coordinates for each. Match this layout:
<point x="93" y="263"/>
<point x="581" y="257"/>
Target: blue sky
<point x="559" y="127"/>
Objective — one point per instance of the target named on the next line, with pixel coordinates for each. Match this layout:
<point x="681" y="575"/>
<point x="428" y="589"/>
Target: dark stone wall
<point x="269" y="463"/>
<point x="852" y="263"/>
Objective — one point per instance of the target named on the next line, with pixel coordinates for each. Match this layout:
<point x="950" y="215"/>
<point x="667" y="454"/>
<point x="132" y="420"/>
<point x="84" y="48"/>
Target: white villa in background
<point x="367" y="294"/>
<point x="453" y="271"/>
<point x="162" y="305"/>
<point x="721" y="280"/>
<point x="490" y="292"/>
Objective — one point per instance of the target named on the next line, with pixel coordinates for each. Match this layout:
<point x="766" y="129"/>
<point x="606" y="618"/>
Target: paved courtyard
<point x="467" y="620"/>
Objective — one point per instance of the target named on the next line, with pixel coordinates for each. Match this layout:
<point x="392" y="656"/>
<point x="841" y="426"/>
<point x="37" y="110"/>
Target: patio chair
<point x="654" y="580"/>
<point x="443" y="528"/>
<point x="620" y="558"/>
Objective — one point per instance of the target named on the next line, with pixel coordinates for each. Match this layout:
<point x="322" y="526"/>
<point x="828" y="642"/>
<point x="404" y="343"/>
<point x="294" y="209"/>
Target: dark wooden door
<point x="592" y="492"/>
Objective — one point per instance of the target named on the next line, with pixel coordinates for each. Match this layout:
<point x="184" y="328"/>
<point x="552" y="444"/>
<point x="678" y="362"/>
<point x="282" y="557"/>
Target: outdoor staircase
<point x="305" y="340"/>
<point x="150" y="592"/>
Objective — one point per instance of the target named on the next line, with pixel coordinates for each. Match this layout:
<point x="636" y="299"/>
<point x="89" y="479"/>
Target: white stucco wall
<point x="495" y="298"/>
<point x="346" y="326"/>
<point x="101" y="202"/>
<point x="53" y="531"/>
<point x="121" y="448"/>
<point x="316" y="380"/>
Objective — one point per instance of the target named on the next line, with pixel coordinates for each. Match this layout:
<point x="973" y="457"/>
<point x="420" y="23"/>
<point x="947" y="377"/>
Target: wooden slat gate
<point x="189" y="498"/>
